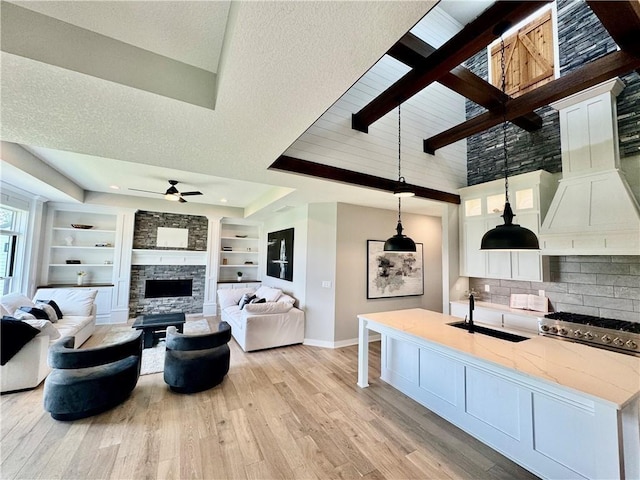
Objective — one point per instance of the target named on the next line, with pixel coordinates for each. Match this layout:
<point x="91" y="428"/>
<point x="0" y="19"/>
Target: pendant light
<point x="509" y="236"/>
<point x="400" y="242"/>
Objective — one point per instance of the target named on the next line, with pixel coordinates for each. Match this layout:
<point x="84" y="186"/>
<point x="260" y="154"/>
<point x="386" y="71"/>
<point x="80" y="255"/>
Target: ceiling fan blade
<point x="182" y="200"/>
<point x="190" y="193"/>
<point x="147" y="191"/>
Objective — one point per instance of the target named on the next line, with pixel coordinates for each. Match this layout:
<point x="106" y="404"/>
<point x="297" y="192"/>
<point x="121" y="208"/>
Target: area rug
<point x="153" y="358"/>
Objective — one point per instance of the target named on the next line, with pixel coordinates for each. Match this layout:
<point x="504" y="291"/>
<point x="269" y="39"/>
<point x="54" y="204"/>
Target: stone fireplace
<point x="171" y="268"/>
<point x="140" y="304"/>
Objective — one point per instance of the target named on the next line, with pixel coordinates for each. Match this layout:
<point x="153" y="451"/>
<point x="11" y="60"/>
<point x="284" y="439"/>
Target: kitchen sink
<point x="510" y="337"/>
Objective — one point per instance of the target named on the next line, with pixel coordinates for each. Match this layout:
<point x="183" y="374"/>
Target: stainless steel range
<point x="616" y="335"/>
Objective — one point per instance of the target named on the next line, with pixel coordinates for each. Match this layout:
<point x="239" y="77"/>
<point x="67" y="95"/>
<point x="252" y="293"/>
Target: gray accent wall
<point x="603" y="286"/>
<point x="145" y="232"/>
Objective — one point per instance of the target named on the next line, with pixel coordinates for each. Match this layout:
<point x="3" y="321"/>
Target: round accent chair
<point x="89" y="381"/>
<point x="194" y="363"/>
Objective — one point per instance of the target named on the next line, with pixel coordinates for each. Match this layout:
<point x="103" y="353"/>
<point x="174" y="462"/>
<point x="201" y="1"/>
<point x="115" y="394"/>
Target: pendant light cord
<point x="399" y="158"/>
<point x="503" y="67"/>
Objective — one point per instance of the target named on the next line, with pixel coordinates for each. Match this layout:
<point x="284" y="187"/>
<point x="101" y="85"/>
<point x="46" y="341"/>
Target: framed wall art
<point x="280" y="254"/>
<point x="391" y="274"/>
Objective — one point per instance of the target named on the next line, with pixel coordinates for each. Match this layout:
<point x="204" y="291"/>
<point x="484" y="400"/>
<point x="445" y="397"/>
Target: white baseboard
<point x="342" y="343"/>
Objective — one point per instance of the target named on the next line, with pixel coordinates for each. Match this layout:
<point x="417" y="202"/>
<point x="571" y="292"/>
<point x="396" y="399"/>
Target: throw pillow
<point x="228" y="297"/>
<point x="246" y="298"/>
<point x="72" y="301"/>
<point x="270" y="294"/>
<point x="36" y="312"/>
<point x="14" y="335"/>
<point x="54" y="305"/>
<point x="284" y="298"/>
<point x="258" y="300"/>
<point x="49" y="310"/>
<point x="14" y="301"/>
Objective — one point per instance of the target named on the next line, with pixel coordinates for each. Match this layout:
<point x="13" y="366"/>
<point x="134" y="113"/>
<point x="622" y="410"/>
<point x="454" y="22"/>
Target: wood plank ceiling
<point x="428" y="65"/>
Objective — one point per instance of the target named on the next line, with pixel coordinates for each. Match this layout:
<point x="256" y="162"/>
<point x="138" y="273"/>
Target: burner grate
<point x="611" y="323"/>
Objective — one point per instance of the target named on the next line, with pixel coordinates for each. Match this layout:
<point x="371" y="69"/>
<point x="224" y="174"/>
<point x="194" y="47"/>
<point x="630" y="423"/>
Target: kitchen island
<point x="559" y="409"/>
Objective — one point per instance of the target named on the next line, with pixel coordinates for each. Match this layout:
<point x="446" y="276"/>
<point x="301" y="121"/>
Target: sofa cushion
<point x="232" y="296"/>
<point x="45" y="327"/>
<point x="4" y="312"/>
<point x="14" y="301"/>
<point x="268" y="307"/>
<point x="268" y="293"/>
<point x="53" y="304"/>
<point x="284" y="298"/>
<point x="14" y="335"/>
<point x="72" y="301"/>
<point x="72" y="324"/>
<point x="49" y="310"/>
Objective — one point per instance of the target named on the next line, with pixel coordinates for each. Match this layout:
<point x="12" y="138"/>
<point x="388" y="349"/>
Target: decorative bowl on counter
<point x="81" y="226"/>
<point x="241" y="236"/>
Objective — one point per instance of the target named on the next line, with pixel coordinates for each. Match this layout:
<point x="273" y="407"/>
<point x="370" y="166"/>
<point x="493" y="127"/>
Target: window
<point x="11" y="224"/>
<point x="529" y="56"/>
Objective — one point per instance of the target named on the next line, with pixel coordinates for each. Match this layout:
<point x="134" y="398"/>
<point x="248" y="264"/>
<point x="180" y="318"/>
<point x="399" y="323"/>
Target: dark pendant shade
<point x="399" y="242"/>
<point x="509" y="236"/>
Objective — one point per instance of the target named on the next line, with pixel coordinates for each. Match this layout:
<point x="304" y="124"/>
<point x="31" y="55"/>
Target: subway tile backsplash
<point x="605" y="286"/>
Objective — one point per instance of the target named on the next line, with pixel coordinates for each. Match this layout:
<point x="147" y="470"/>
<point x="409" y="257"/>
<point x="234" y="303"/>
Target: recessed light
<point x="115" y="187"/>
<point x="223" y="200"/>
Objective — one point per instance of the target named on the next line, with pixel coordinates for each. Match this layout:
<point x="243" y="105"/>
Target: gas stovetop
<point x="618" y="335"/>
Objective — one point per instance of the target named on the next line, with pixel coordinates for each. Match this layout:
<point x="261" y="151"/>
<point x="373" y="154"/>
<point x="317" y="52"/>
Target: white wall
<point x="296" y="218"/>
<point x="321" y="267"/>
<point x="358" y="224"/>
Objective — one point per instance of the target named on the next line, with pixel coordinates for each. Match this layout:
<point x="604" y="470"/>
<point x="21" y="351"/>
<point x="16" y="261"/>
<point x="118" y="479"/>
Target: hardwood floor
<point x="291" y="413"/>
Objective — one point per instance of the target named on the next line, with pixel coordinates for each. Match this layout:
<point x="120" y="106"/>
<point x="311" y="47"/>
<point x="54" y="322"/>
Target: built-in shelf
<point x="80" y="265"/>
<point x="244" y="265"/>
<point x="240" y="238"/>
<point x="86" y="230"/>
<point x="243" y="248"/>
<point x="76" y="247"/>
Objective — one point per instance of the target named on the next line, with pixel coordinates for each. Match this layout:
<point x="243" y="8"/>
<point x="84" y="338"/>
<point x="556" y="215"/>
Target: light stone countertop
<point x="502" y="308"/>
<point x="604" y="375"/>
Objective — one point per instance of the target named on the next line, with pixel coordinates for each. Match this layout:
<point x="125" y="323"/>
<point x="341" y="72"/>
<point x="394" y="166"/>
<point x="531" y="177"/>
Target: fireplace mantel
<point x="168" y="257"/>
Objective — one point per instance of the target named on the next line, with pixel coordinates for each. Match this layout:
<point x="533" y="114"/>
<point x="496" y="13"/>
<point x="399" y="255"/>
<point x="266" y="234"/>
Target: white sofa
<point x="28" y="368"/>
<point x="255" y="326"/>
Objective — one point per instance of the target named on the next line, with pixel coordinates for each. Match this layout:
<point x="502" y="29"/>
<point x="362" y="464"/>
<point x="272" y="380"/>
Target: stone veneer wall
<point x="541" y="149"/>
<point x="138" y="305"/>
<point x="145" y="232"/>
<point x="604" y="286"/>
<point x="145" y="236"/>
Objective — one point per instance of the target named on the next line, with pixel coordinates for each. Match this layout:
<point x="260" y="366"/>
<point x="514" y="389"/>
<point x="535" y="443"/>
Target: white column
<point x="210" y="306"/>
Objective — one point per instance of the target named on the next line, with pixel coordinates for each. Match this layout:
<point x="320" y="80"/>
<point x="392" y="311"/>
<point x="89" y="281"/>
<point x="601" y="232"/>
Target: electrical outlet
<point x="487" y="288"/>
<point x="326" y="284"/>
<point x="541" y="293"/>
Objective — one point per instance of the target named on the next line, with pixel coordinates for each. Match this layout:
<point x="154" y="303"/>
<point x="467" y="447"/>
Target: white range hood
<point x="594" y="211"/>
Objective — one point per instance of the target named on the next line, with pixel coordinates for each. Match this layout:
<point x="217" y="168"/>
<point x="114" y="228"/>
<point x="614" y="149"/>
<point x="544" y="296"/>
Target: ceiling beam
<point x="470" y="40"/>
<point x="413" y="51"/>
<point x="597" y="71"/>
<point x="622" y="21"/>
<point x="305" y="167"/>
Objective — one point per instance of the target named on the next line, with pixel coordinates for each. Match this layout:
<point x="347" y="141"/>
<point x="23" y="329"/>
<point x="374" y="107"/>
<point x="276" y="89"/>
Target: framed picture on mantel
<point x="392" y="274"/>
<point x="280" y="254"/>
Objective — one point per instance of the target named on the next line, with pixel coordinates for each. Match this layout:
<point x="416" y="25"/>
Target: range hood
<point x="594" y="211"/>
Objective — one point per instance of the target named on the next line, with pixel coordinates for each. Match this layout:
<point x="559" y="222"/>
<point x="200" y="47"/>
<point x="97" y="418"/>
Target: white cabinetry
<point x="482" y="205"/>
<point x="239" y="252"/>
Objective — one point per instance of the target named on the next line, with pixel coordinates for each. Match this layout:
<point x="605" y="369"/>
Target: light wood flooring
<point x="291" y="413"/>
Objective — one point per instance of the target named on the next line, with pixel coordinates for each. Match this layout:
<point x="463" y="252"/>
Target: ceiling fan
<point x="172" y="192"/>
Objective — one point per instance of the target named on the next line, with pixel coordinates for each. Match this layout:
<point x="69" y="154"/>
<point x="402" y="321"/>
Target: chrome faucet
<point x="472" y="305"/>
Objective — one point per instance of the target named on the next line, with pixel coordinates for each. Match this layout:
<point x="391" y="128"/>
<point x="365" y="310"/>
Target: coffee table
<point x="155" y="326"/>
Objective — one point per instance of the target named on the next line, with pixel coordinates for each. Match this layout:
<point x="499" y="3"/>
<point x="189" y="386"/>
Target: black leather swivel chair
<point x="193" y="363"/>
<point x="89" y="381"/>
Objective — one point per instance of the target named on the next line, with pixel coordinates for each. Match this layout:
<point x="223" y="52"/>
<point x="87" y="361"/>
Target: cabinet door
<point x="474" y="261"/>
<point x="527" y="265"/>
<point x="498" y="263"/>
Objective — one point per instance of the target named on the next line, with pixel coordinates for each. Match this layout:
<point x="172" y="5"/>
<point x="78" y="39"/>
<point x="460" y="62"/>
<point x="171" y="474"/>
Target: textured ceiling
<point x="282" y="65"/>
